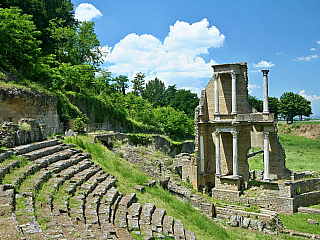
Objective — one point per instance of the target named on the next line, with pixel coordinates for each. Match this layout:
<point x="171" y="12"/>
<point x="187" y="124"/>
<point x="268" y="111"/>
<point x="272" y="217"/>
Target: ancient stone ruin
<point x="226" y="129"/>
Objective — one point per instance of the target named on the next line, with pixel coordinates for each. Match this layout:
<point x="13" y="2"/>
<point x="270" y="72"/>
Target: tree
<point x="121" y="83"/>
<point x="292" y="104"/>
<point x="18" y="36"/>
<point x="155" y="92"/>
<point x="255" y="103"/>
<point x="76" y="45"/>
<point x="174" y="123"/>
<point x="43" y="11"/>
<point x="138" y="84"/>
<point x="186" y="101"/>
<point x="274" y="105"/>
<point x="170" y="94"/>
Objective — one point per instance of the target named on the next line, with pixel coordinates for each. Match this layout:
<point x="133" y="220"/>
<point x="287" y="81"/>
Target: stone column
<point x="218" y="161"/>
<point x="265" y="91"/>
<point x="216" y="93"/>
<point x="235" y="153"/>
<point x="234" y="93"/>
<point x="201" y="155"/>
<point x="266" y="156"/>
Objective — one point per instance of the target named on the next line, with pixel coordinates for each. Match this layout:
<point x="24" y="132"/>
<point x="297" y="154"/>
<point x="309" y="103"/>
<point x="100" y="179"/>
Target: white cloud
<point x="318" y="42"/>
<point x="86" y="12"/>
<point x="251" y="87"/>
<point x="263" y="64"/>
<point x="176" y="60"/>
<point x="313" y="49"/>
<point x="308" y="59"/>
<point x="309" y="97"/>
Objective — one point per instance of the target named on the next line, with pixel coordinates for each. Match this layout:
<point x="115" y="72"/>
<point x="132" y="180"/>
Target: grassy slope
<point x="129" y="175"/>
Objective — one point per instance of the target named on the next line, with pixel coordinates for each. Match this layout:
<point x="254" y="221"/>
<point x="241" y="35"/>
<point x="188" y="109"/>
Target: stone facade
<point x="23" y="103"/>
<point x="227" y="127"/>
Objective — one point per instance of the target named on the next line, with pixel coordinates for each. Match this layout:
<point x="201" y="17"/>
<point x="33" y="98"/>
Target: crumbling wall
<point x="17" y="103"/>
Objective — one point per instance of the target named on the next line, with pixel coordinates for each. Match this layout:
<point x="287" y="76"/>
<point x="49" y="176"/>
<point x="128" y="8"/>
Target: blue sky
<point x="178" y="41"/>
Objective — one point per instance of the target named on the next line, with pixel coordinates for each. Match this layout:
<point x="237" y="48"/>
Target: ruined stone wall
<point x="17" y="103"/>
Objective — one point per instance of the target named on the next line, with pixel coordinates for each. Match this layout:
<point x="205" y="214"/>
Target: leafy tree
<point x="138" y="84"/>
<point x="186" y="101"/>
<point x="174" y="123"/>
<point x="155" y="92"/>
<point x="121" y="83"/>
<point x="303" y="107"/>
<point x="43" y="11"/>
<point x="19" y="46"/>
<point x="292" y="104"/>
<point x="255" y="103"/>
<point x="274" y="105"/>
<point x="170" y="94"/>
<point x="76" y="45"/>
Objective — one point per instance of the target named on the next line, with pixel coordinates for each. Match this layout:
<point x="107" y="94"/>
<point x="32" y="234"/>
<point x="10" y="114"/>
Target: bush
<point x="78" y="125"/>
<point x="139" y="138"/>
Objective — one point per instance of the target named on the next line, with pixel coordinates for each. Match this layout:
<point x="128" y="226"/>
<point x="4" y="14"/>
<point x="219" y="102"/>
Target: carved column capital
<point x="217" y="133"/>
<point x="266" y="135"/>
<point x="216" y="75"/>
<point x="265" y="72"/>
<point x="234" y="133"/>
<point x="233" y="74"/>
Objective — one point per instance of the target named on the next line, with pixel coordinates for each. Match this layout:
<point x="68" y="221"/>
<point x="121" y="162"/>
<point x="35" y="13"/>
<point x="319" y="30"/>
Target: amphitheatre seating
<point x="50" y="190"/>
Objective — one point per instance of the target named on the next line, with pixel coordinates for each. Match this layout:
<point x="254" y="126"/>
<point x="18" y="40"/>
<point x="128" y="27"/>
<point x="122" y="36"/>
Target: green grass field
<point x="302" y="154"/>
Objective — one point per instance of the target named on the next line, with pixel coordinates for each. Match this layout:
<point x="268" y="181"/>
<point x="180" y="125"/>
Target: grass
<point x="298" y="222"/>
<point x="301" y="154"/>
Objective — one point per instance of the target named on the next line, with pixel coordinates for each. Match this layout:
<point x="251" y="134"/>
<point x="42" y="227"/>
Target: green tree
<point x="176" y="124"/>
<point x="255" y="103"/>
<point x="292" y="104"/>
<point x="138" y="84"/>
<point x="186" y="101"/>
<point x="274" y="105"/>
<point x="43" y="11"/>
<point x="170" y="94"/>
<point x="18" y="36"/>
<point x="155" y="92"/>
<point x="121" y="83"/>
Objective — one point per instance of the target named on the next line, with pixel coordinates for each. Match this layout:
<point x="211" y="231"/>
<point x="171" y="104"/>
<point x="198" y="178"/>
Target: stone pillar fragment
<point x="218" y="161"/>
<point x="235" y="153"/>
<point x="216" y="94"/>
<point x="266" y="156"/>
<point x="265" y="91"/>
<point x="234" y="93"/>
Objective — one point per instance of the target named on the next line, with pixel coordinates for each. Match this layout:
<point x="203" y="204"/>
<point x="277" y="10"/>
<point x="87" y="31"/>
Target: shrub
<point x="78" y="125"/>
<point x="25" y="127"/>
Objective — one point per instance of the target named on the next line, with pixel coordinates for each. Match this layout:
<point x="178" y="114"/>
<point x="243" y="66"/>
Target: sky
<point x="179" y="40"/>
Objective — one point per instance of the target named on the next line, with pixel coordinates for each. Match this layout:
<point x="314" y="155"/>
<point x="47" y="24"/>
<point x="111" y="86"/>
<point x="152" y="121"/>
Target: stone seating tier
<point x="57" y="192"/>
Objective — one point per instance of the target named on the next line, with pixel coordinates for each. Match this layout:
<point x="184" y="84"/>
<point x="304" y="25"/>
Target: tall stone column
<point x="265" y="91"/>
<point x="266" y="176"/>
<point x="218" y="161"/>
<point x="216" y="93"/>
<point x="235" y="153"/>
<point x="201" y="155"/>
<point x="234" y="93"/>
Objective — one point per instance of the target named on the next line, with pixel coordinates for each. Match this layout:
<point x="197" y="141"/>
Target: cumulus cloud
<point x="251" y="87"/>
<point x="309" y="97"/>
<point x="313" y="49"/>
<point x="318" y="42"/>
<point x="176" y="60"/>
<point x="86" y="12"/>
<point x="263" y="64"/>
<point x="308" y="59"/>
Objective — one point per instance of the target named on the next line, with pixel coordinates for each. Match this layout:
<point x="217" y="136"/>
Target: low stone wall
<point x="307" y="210"/>
<point x="305" y="186"/>
<point x="306" y="199"/>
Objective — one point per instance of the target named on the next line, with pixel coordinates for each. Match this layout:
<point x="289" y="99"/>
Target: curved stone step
<point x="33" y="155"/>
<point x="133" y="216"/>
<point x="157" y="220"/>
<point x="168" y="226"/>
<point x="5" y="155"/>
<point x="35" y="146"/>
<point x="178" y="230"/>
